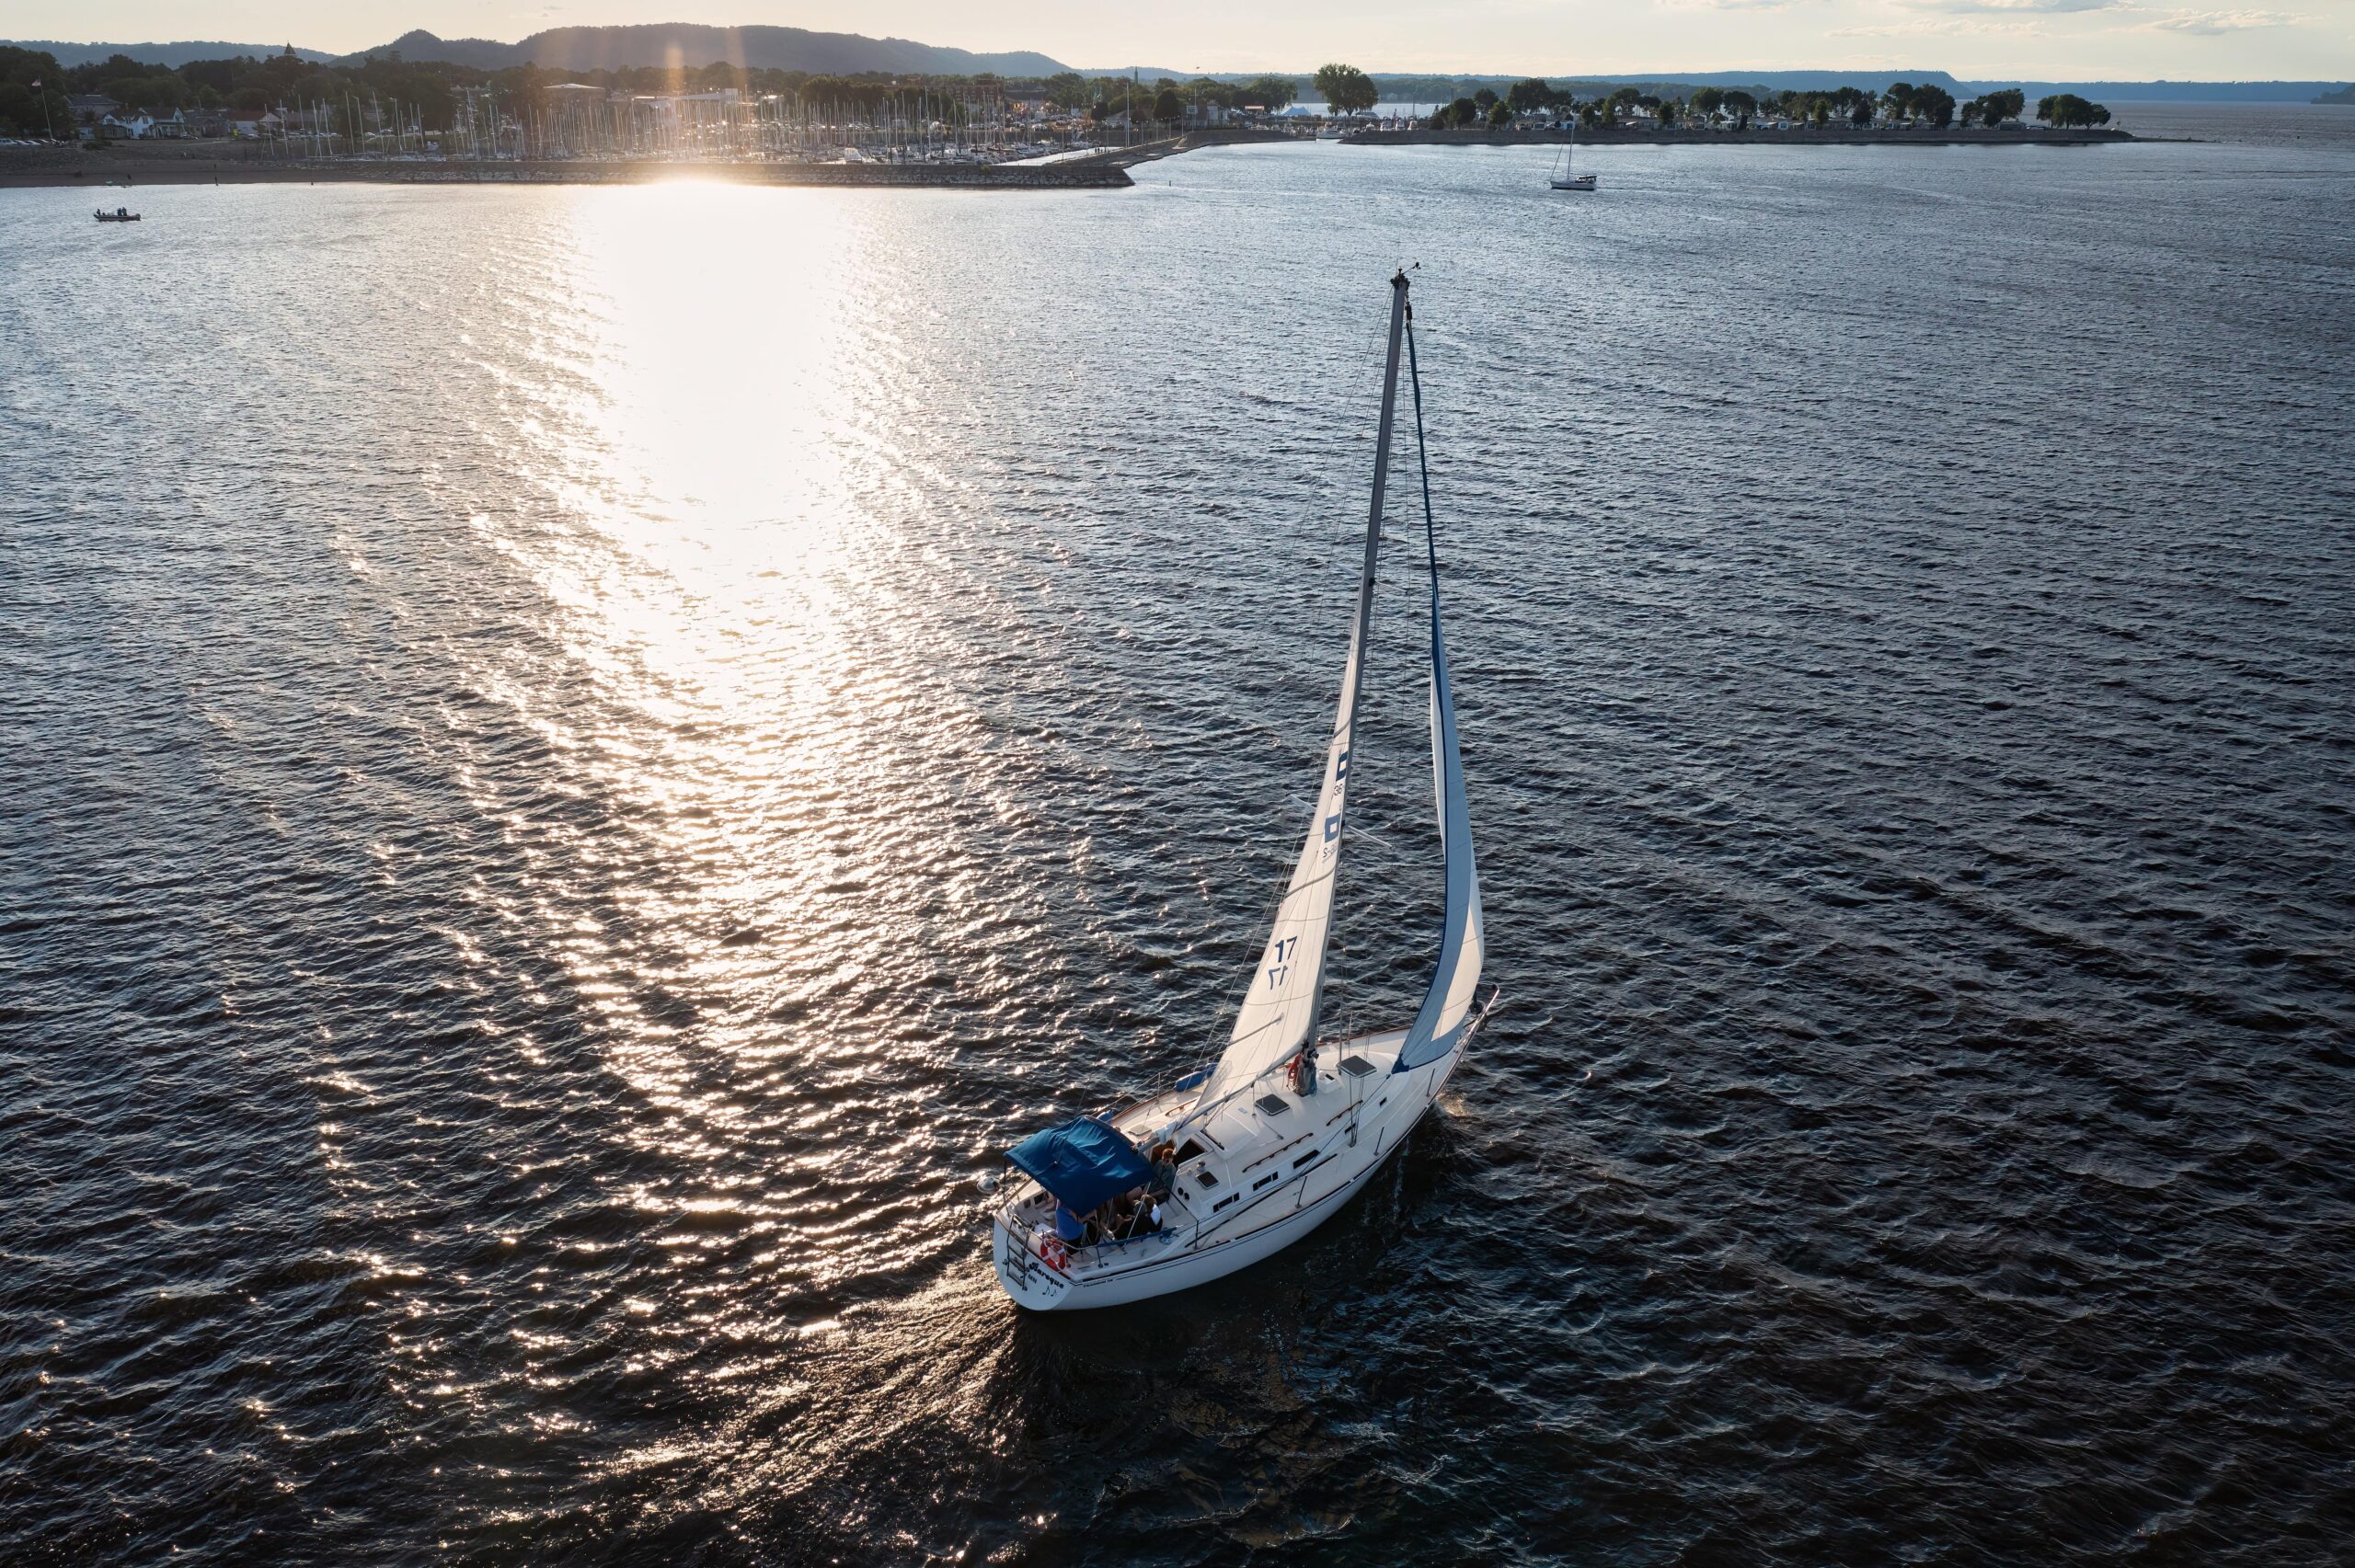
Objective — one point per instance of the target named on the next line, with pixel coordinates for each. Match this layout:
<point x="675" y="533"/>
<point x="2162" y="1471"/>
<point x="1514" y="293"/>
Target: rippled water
<point x="577" y="761"/>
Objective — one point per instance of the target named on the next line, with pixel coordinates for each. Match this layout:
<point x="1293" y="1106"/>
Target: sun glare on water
<point x="702" y="501"/>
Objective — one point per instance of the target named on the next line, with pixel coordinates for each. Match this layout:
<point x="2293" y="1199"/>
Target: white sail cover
<point x="1447" y="1006"/>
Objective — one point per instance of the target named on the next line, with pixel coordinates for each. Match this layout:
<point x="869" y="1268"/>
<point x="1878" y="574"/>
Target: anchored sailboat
<point x="1231" y="1165"/>
<point x="1562" y="178"/>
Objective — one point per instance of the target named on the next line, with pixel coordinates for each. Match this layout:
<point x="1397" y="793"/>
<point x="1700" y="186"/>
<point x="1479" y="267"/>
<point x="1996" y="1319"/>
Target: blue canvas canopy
<point x="1083" y="1164"/>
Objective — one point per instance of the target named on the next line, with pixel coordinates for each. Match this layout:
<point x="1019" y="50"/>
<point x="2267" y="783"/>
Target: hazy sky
<point x="2197" y="39"/>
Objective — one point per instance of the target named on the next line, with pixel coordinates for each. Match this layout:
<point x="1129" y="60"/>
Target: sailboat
<point x="1236" y="1161"/>
<point x="1562" y="178"/>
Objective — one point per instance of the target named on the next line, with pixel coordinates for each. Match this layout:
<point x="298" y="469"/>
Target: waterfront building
<point x="88" y="108"/>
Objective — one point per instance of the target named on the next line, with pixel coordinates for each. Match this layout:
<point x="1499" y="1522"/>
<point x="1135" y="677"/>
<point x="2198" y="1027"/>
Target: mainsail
<point x="1278" y="1012"/>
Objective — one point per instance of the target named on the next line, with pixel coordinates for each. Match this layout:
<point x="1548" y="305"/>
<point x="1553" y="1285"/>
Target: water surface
<point x="578" y="762"/>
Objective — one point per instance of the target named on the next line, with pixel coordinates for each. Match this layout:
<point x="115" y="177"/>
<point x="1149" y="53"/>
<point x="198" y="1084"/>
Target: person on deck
<point x="1069" y="1227"/>
<point x="1165" y="1171"/>
<point x="1140" y="1216"/>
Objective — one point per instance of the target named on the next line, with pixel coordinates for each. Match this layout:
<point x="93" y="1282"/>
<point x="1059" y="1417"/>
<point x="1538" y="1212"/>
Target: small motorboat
<point x="119" y="215"/>
<point x="1237" y="1161"/>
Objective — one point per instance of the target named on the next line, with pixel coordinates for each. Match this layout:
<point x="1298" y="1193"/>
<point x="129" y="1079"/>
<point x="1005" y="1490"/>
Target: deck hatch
<point x="1357" y="1067"/>
<point x="1274" y="1105"/>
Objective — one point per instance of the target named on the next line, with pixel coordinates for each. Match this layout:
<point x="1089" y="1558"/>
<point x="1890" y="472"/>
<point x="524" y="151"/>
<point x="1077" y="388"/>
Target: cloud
<point x="1951" y="27"/>
<point x="2210" y="23"/>
<point x="2018" y="8"/>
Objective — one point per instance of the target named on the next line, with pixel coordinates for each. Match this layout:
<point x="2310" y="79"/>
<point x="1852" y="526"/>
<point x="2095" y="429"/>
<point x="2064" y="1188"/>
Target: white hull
<point x="1200" y="1249"/>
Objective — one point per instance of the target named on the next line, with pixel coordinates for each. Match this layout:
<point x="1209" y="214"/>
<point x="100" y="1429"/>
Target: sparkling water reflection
<point x="580" y="759"/>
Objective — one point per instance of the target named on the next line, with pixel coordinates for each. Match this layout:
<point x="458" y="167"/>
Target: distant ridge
<point x="1437" y="87"/>
<point x="2172" y="92"/>
<point x="1874" y="81"/>
<point x="2112" y="91"/>
<point x="173" y="54"/>
<point x="772" y="49"/>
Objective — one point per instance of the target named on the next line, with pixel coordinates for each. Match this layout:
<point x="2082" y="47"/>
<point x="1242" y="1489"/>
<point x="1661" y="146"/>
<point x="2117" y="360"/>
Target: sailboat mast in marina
<point x="1236" y="1161"/>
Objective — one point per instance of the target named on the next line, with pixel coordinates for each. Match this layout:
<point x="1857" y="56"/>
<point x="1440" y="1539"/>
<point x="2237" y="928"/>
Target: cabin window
<point x="1307" y="1158"/>
<point x="1263" y="1181"/>
<point x="1224" y="1201"/>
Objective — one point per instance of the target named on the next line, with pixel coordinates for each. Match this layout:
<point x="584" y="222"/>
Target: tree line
<point x="1346" y="89"/>
<point x="1163" y="98"/>
<point x="2068" y="108"/>
<point x="433" y="90"/>
<point x="432" y="93"/>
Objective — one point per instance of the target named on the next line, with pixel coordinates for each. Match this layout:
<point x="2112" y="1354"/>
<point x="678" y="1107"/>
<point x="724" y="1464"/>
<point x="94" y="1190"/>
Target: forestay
<point x="1279" y="1013"/>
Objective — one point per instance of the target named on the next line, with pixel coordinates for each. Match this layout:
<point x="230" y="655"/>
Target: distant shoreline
<point x="50" y="167"/>
<point x="1758" y="136"/>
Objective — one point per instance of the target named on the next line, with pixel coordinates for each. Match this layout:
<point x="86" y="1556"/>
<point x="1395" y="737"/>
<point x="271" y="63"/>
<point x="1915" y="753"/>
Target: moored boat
<point x="1562" y="178"/>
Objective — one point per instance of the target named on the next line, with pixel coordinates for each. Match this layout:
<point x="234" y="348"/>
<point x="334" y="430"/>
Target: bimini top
<point x="1082" y="1165"/>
